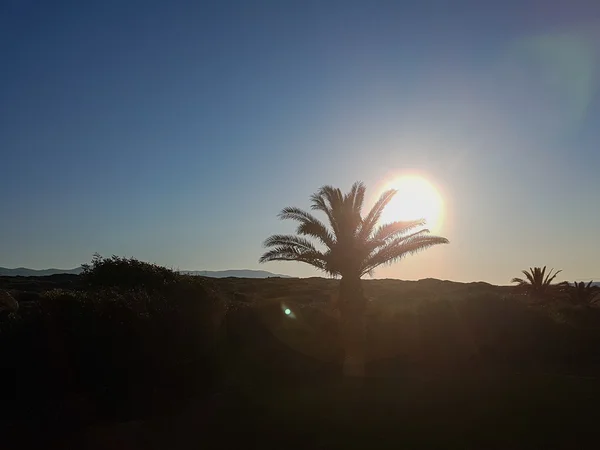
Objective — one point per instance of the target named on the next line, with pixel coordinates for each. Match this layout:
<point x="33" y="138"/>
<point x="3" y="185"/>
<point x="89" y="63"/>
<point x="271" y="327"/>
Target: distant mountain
<point x="24" y="272"/>
<point x="240" y="273"/>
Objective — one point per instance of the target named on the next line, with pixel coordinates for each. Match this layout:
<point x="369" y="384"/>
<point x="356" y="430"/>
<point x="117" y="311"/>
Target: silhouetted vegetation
<point x="349" y="246"/>
<point x="538" y="285"/>
<point x="582" y="294"/>
<point x="126" y="273"/>
<point x="88" y="352"/>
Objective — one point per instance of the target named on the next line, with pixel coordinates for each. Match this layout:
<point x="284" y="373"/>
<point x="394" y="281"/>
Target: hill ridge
<point x="237" y="273"/>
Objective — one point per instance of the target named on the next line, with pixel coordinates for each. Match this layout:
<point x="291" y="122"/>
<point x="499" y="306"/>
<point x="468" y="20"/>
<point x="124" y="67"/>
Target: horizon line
<point x="293" y="276"/>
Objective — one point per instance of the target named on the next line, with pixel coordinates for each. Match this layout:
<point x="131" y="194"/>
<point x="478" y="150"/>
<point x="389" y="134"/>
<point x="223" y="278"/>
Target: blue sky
<point x="175" y="131"/>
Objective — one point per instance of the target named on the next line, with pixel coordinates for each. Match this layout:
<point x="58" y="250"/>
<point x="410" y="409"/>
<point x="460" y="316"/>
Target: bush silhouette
<point x="126" y="273"/>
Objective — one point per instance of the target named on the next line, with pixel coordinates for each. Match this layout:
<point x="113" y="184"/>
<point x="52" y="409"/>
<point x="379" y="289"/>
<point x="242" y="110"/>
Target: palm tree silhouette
<point x="537" y="284"/>
<point x="350" y="246"/>
<point x="582" y="294"/>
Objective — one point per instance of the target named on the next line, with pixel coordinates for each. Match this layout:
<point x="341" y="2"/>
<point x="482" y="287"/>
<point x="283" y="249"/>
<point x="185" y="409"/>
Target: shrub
<point x="129" y="351"/>
<point x="126" y="273"/>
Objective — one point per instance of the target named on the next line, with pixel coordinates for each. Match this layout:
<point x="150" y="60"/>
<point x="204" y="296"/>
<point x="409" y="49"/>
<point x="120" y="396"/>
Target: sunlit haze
<point x="416" y="198"/>
<point x="176" y="131"/>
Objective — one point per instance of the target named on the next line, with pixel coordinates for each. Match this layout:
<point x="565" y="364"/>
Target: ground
<point x="466" y="412"/>
<point x="451" y="365"/>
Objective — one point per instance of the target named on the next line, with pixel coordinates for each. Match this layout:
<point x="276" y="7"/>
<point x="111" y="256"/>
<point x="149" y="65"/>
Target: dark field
<point x="216" y="363"/>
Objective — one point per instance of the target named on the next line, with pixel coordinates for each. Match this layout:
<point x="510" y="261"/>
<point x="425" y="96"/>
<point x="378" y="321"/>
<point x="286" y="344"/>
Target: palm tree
<point x="582" y="294"/>
<point x="349" y="246"/>
<point x="537" y="284"/>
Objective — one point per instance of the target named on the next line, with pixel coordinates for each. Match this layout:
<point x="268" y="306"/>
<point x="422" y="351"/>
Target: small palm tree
<point x="537" y="284"/>
<point x="583" y="294"/>
<point x="349" y="246"/>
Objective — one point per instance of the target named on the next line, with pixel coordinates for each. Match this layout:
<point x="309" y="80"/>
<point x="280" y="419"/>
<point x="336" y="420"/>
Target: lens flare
<point x="287" y="311"/>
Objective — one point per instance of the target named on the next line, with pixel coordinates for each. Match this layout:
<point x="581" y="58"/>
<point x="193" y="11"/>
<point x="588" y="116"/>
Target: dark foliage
<point x="538" y="285"/>
<point x="77" y="357"/>
<point x="582" y="294"/>
<point x="40" y="284"/>
<point x="126" y="273"/>
<point x="109" y="353"/>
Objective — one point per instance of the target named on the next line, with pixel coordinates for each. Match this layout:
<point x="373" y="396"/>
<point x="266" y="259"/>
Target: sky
<point x="175" y="131"/>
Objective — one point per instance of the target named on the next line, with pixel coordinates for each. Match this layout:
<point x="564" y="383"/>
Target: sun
<point x="416" y="198"/>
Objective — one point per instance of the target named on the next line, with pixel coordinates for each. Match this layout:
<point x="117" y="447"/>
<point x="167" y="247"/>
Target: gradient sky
<point x="175" y="131"/>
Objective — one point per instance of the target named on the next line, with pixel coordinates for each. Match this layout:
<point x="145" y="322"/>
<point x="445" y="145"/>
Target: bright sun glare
<point x="417" y="198"/>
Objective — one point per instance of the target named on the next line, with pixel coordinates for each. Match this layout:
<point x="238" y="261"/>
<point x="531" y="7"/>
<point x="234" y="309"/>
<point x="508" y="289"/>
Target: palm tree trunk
<point x="353" y="327"/>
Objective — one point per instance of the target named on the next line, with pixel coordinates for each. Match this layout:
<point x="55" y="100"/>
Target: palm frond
<point x="356" y="197"/>
<point x="373" y="244"/>
<point x="291" y="240"/>
<point x="550" y="278"/>
<point x="309" y="225"/>
<point x="398" y="248"/>
<point x="392" y="229"/>
<point x="322" y="201"/>
<point x="298" y="214"/>
<point x="351" y="214"/>
<point x="530" y="275"/>
<point x="283" y="253"/>
<point x="346" y="219"/>
<point x="374" y="214"/>
<point x="540" y="273"/>
<point x="333" y="196"/>
<point x="293" y="248"/>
